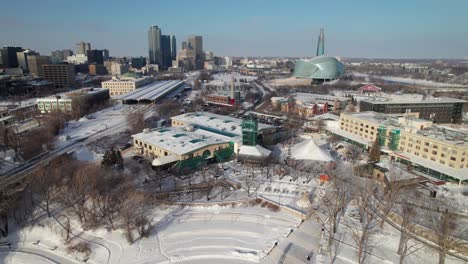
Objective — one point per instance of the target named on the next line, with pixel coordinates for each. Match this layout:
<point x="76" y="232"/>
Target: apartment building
<point x="436" y="150"/>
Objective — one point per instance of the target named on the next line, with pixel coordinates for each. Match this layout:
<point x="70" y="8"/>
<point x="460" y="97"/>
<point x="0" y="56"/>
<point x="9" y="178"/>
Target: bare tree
<point x="363" y="231"/>
<point x="45" y="183"/>
<point x="374" y="153"/>
<point x="108" y="196"/>
<point x="407" y="245"/>
<point x="136" y="121"/>
<point x="76" y="191"/>
<point x="391" y="193"/>
<point x="250" y="183"/>
<point x="448" y="232"/>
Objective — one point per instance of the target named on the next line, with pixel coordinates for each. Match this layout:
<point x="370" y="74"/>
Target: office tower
<point x="82" y="48"/>
<point x="60" y="55"/>
<point x="321" y="43"/>
<point x="173" y="48"/>
<point x="105" y="54"/>
<point x="196" y="42"/>
<point x="154" y="43"/>
<point x="138" y="63"/>
<point x="22" y="57"/>
<point x="9" y="58"/>
<point x="35" y="63"/>
<point x="97" y="69"/>
<point x="209" y="55"/>
<point x="166" y="51"/>
<point x="66" y="53"/>
<point x="185" y="45"/>
<point x="95" y="56"/>
<point x="62" y="74"/>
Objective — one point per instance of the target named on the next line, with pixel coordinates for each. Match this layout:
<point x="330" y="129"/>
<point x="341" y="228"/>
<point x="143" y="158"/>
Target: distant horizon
<point x="399" y="29"/>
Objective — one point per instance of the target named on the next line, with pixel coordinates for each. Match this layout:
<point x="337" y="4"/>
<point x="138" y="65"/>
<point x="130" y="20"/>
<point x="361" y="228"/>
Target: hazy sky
<point x="353" y="28"/>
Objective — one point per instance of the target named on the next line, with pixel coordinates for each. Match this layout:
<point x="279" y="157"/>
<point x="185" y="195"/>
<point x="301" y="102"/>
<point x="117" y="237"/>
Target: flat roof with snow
<point x="225" y="125"/>
<point x="178" y="140"/>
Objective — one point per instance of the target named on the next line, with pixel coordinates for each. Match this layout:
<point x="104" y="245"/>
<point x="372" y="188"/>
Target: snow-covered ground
<point x="383" y="245"/>
<point x="409" y="80"/>
<point x="227" y="77"/>
<point x="180" y="235"/>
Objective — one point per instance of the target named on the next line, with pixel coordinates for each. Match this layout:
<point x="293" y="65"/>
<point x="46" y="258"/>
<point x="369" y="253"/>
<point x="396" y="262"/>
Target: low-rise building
<point x="223" y="125"/>
<point x="436" y="150"/>
<point x="308" y="105"/>
<point x="64" y="102"/>
<point x="125" y="84"/>
<point x="181" y="147"/>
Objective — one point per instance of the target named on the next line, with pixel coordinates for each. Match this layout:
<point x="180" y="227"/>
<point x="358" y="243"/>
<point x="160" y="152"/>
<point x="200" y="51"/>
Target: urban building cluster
<point x="308" y="105"/>
<point x="196" y="137"/>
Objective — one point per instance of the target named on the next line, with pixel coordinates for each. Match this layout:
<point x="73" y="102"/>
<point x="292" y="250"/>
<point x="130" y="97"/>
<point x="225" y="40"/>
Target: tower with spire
<point x="321" y="44"/>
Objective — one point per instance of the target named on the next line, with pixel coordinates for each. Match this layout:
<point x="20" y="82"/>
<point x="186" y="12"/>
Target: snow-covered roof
<point x="460" y="174"/>
<point x="178" y="140"/>
<point x="225" y="125"/>
<point x="370" y="88"/>
<point x="164" y="160"/>
<point x="308" y="150"/>
<point x="152" y="91"/>
<point x="254" y="151"/>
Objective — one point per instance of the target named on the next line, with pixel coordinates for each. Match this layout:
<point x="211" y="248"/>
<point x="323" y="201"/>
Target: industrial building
<point x="440" y="109"/>
<point x="150" y="93"/>
<point x="428" y="148"/>
<point x="181" y="147"/>
<point x="125" y="84"/>
<point x="64" y="102"/>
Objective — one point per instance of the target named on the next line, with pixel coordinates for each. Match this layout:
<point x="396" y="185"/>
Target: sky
<point x="353" y="28"/>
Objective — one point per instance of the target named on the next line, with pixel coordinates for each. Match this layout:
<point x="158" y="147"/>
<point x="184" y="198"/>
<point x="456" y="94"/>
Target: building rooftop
<point x="127" y="79"/>
<point x="179" y="140"/>
<point x="224" y="125"/>
<point x="434" y="131"/>
<point x="403" y="99"/>
<point x="152" y="91"/>
<point x="78" y="92"/>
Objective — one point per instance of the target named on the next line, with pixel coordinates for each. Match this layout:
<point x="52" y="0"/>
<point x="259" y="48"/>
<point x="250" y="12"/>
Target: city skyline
<point x="385" y="30"/>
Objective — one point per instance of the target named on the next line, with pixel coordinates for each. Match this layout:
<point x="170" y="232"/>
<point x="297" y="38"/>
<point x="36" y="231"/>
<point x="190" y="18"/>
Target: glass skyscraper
<point x="154" y="44"/>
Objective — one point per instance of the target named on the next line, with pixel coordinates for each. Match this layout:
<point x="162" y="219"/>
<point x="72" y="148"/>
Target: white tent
<point x="308" y="150"/>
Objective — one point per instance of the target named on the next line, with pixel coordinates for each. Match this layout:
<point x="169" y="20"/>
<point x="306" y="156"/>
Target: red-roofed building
<point x="370" y="88"/>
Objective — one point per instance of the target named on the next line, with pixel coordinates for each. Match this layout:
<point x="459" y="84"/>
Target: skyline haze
<point x="420" y="29"/>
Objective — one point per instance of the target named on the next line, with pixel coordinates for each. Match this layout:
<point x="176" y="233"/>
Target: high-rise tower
<point x="321" y="43"/>
<point x="154" y="44"/>
<point x="173" y="48"/>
